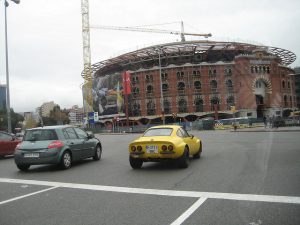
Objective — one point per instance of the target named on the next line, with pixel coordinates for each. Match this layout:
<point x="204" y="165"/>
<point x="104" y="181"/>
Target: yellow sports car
<point x="164" y="143"/>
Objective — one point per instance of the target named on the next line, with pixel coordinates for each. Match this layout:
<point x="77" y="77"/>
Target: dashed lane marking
<point x="192" y="194"/>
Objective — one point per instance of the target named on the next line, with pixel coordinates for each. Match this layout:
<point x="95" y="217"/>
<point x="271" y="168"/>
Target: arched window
<point x="149" y="89"/>
<point x="196" y="73"/>
<point x="283" y="84"/>
<point x="285" y="101"/>
<point x="164" y="76"/>
<point x="135" y="110"/>
<point x="258" y="84"/>
<point x="229" y="84"/>
<point x="180" y="86"/>
<point x="182" y="105"/>
<point x="167" y="106"/>
<point x="135" y="91"/>
<point x="198" y="105"/>
<point x="197" y="85"/>
<point x="214" y="102"/>
<point x="230" y="102"/>
<point x="151" y="108"/>
<point x="180" y="74"/>
<point x="165" y="87"/>
<point x="289" y="85"/>
<point x="149" y="78"/>
<point x="213" y="86"/>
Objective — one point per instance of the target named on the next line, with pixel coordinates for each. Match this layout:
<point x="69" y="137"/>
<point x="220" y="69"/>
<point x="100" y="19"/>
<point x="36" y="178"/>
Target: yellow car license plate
<point x="151" y="148"/>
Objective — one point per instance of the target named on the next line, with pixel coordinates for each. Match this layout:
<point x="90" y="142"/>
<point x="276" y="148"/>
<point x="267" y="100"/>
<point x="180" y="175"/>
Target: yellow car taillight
<point x="164" y="148"/>
<point x="133" y="148"/>
<point x="170" y="148"/>
<point x="139" y="148"/>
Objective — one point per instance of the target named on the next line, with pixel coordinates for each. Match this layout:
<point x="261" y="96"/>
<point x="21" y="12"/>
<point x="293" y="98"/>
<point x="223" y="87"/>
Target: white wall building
<point x="46" y="108"/>
<point x="76" y="115"/>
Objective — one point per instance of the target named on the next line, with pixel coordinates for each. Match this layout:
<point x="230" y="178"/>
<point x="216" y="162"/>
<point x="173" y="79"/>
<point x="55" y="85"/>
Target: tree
<point x="16" y="119"/>
<point x="60" y="116"/>
<point x="30" y="122"/>
<point x="57" y="117"/>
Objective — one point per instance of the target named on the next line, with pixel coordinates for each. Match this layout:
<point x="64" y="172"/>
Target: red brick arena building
<point x="186" y="81"/>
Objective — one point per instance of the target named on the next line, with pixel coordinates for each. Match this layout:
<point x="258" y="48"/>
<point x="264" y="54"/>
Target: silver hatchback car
<point x="61" y="145"/>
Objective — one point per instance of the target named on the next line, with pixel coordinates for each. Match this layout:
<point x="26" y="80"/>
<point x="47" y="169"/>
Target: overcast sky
<point x="45" y="39"/>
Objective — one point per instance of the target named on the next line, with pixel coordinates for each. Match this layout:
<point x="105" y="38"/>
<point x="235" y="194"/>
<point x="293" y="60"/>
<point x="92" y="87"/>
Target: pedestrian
<point x="271" y="122"/>
<point x="265" y="121"/>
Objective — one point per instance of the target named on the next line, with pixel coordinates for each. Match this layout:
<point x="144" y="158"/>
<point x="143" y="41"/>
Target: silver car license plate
<point x="31" y="155"/>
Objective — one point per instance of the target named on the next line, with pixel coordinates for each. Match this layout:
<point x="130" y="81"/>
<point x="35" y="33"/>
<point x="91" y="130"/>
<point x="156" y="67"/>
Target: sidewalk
<point x="263" y="129"/>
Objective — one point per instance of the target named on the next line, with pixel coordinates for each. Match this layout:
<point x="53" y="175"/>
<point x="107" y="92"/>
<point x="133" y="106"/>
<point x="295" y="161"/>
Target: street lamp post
<point x="160" y="81"/>
<point x="292" y="80"/>
<point x="7" y="71"/>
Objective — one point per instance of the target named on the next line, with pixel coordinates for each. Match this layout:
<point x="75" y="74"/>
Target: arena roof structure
<point x="212" y="51"/>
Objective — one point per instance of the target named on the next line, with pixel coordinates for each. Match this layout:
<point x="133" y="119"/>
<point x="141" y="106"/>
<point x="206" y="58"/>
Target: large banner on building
<point x="126" y="83"/>
<point x="108" y="95"/>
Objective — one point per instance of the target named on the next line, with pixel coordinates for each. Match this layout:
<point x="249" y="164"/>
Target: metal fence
<point x="207" y="125"/>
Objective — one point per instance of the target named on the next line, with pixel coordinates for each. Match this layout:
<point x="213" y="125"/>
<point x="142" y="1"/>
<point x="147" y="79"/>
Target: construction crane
<point x="87" y="71"/>
<point x="140" y="29"/>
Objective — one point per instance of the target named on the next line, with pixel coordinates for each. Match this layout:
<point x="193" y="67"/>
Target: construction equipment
<point x="140" y="29"/>
<point x="87" y="72"/>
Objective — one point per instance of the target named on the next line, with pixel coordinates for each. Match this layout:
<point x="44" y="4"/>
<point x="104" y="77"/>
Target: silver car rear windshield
<point x="40" y="135"/>
<point x="158" y="132"/>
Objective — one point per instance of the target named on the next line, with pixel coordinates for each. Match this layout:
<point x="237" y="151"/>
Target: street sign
<point x="96" y="117"/>
<point x="91" y="118"/>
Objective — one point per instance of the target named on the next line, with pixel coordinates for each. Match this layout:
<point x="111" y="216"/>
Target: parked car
<point x="168" y="142"/>
<point x="8" y="143"/>
<point x="61" y="145"/>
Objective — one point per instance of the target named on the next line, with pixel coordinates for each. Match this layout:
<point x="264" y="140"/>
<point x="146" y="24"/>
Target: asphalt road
<point x="242" y="178"/>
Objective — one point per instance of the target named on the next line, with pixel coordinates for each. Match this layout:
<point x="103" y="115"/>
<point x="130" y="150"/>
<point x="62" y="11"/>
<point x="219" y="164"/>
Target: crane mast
<point x="87" y="72"/>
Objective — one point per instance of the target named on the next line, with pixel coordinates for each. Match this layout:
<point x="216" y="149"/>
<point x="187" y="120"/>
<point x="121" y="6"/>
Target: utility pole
<point x="9" y="130"/>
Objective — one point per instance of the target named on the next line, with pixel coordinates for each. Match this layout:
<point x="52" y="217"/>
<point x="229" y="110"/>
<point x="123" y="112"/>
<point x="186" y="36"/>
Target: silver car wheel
<point x="67" y="160"/>
<point x="98" y="152"/>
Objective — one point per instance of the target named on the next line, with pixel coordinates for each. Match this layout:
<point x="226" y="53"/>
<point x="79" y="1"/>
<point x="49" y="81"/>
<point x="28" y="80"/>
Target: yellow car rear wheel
<point x="184" y="160"/>
<point x="135" y="163"/>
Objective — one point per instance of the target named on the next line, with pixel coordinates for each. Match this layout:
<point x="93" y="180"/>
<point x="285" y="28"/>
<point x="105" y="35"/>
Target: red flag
<point x="126" y="83"/>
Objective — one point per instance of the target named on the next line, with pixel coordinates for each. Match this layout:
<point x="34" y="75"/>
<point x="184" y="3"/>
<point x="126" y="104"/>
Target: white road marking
<point x="174" y="193"/>
<point x="189" y="211"/>
<point x="24" y="196"/>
